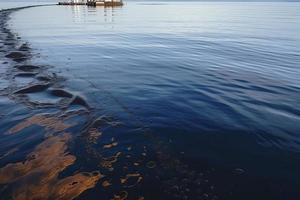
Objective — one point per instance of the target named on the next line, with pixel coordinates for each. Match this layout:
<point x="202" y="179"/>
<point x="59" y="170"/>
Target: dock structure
<point x="93" y="2"/>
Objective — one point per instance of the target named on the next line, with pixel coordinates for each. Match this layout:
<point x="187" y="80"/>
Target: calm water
<point x="214" y="85"/>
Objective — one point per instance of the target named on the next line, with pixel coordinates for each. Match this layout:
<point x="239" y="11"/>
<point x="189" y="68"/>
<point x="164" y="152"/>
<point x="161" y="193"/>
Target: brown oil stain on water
<point x="49" y="122"/>
<point x="37" y="176"/>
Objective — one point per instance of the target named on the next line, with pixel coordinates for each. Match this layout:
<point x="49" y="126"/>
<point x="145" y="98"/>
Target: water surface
<point x="214" y="86"/>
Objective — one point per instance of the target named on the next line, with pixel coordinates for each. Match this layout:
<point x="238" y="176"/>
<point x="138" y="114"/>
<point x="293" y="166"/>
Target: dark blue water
<point x="214" y="85"/>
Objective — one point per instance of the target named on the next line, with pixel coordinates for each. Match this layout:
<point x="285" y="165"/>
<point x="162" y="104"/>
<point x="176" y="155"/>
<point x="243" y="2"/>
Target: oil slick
<point x="121" y="196"/>
<point x="48" y="122"/>
<point x="109" y="161"/>
<point x="131" y="180"/>
<point x="37" y="176"/>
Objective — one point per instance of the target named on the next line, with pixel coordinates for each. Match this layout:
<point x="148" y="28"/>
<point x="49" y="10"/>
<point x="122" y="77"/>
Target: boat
<point x="93" y="2"/>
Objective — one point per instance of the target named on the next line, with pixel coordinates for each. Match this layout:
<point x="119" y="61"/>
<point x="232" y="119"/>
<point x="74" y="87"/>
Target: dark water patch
<point x="24" y="47"/>
<point x="45" y="78"/>
<point x="27" y="68"/>
<point x="26" y="74"/>
<point x="61" y="93"/>
<point x="126" y="168"/>
<point x="33" y="88"/>
<point x="15" y="55"/>
<point x="9" y="43"/>
<point x="19" y="60"/>
<point x="78" y="100"/>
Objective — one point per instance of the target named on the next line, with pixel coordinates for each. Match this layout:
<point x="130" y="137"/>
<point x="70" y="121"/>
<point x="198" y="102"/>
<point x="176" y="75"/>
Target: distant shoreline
<point x="24" y="7"/>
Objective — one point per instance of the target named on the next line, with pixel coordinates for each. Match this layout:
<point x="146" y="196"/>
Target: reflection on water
<point x="91" y="14"/>
<point x="152" y="101"/>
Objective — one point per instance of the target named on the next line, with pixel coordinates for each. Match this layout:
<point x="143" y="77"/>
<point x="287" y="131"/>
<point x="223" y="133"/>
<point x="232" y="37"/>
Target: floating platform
<point x="93" y="3"/>
<point x="71" y="3"/>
